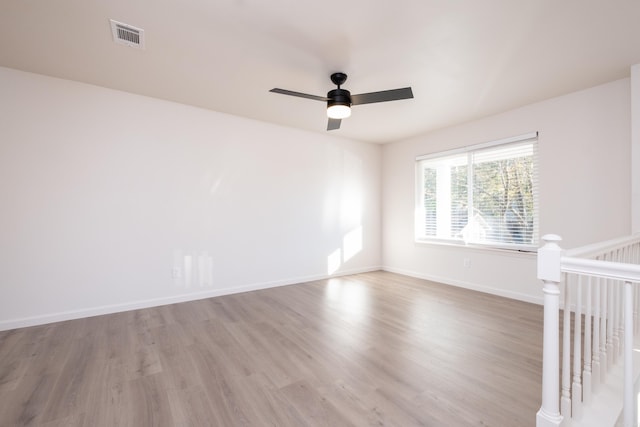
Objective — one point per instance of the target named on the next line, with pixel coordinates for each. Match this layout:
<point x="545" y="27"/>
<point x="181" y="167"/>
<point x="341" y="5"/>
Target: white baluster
<point x="627" y="258"/>
<point x="618" y="331"/>
<point x="617" y="311"/>
<point x="586" y="375"/>
<point x="609" y="320"/>
<point x="565" y="400"/>
<point x="629" y="401"/>
<point x="595" y="366"/>
<point x="576" y="388"/>
<point x="549" y="272"/>
<point x="603" y="332"/>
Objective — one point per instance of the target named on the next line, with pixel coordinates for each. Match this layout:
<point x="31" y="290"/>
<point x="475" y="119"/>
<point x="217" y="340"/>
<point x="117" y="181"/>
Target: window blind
<point x="485" y="194"/>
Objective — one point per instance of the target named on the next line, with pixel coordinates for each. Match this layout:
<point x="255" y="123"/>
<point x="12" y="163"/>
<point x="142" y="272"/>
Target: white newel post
<point x="549" y="272"/>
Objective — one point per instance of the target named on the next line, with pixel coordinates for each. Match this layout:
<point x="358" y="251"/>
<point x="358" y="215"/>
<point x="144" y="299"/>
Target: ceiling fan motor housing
<point x="339" y="97"/>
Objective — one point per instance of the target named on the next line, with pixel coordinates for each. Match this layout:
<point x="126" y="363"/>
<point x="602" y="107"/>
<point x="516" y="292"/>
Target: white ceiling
<point x="464" y="59"/>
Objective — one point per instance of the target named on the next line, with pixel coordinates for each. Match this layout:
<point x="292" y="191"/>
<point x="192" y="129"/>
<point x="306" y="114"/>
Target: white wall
<point x="584" y="147"/>
<point x="112" y="201"/>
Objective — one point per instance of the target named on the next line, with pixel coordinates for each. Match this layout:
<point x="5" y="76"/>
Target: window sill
<point x="505" y="250"/>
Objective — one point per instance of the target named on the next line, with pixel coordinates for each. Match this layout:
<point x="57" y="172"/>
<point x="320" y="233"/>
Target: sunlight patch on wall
<point x="192" y="269"/>
<point x="343" y="206"/>
<point x="352" y="243"/>
<point x="334" y="261"/>
<point x="351" y="246"/>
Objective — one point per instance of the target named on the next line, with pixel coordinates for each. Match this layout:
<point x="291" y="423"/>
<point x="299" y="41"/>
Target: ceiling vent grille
<point x="127" y="34"/>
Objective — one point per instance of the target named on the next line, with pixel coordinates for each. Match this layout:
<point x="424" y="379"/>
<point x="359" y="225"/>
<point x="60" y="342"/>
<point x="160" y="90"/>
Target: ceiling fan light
<point x="339" y="104"/>
<point x="338" y="111"/>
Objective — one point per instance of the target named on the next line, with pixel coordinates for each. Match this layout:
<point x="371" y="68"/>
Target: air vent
<point x="127" y="34"/>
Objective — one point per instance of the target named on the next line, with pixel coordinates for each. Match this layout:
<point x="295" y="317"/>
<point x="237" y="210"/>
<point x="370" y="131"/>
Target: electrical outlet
<point x="176" y="272"/>
<point x="466" y="262"/>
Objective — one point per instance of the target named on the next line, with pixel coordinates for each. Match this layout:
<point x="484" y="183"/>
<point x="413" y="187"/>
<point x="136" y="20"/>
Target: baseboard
<point x="467" y="285"/>
<point x="174" y="299"/>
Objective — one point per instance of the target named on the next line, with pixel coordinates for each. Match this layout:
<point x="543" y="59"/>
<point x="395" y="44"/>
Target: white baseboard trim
<point x="174" y="299"/>
<point x="467" y="285"/>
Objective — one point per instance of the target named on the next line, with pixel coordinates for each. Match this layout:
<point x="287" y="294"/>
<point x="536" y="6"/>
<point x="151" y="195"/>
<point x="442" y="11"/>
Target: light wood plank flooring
<point x="374" y="349"/>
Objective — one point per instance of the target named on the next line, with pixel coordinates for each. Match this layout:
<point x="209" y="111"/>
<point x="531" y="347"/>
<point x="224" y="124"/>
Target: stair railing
<point x="598" y="285"/>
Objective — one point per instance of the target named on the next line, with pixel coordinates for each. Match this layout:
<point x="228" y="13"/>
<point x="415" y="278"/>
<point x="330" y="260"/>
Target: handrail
<point x="599" y="268"/>
<point x="595" y="249"/>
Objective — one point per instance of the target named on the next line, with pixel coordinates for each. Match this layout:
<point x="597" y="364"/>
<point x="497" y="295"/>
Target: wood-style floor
<point x="374" y="349"/>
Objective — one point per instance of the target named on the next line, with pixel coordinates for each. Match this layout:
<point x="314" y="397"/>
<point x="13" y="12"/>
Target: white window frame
<point x="420" y="213"/>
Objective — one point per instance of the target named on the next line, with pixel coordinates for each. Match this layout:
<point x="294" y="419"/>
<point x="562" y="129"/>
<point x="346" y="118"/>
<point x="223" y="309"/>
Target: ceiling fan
<point x="339" y="101"/>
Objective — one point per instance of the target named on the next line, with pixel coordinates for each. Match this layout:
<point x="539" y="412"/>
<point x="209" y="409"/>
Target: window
<point x="485" y="195"/>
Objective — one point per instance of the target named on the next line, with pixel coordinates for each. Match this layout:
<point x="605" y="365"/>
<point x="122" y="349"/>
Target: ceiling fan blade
<point x="382" y="96"/>
<point x="333" y="124"/>
<point x="298" y="94"/>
